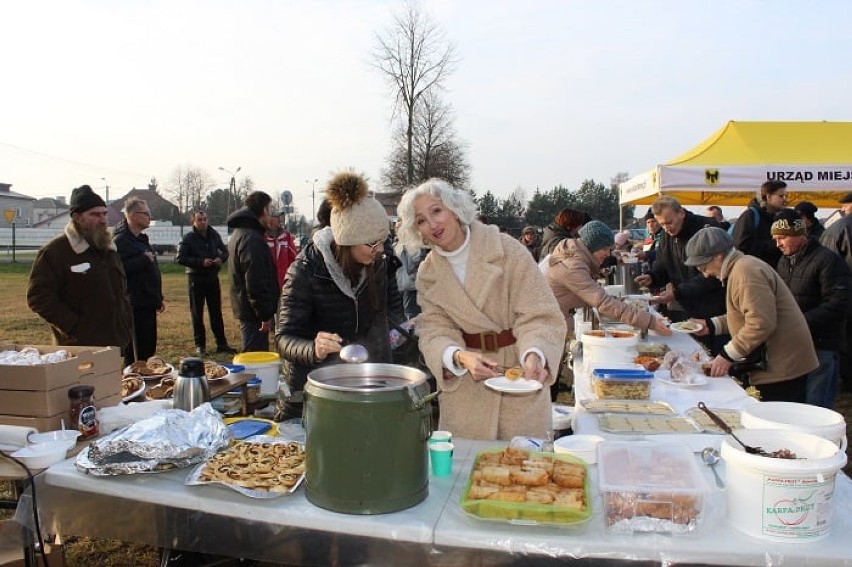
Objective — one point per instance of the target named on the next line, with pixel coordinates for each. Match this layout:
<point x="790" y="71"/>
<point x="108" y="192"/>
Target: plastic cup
<point x="441" y="457"/>
<point x="441" y="437"/>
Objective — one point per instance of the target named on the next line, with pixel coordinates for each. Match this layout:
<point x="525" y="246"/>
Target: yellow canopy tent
<point x="813" y="158"/>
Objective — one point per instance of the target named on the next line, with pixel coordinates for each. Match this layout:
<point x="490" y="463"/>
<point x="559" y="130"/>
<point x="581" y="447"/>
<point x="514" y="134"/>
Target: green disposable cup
<point x="441" y="457"/>
<point x="441" y="437"/>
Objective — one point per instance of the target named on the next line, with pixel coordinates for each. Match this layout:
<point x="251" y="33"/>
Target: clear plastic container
<point x="622" y="384"/>
<point x="648" y="487"/>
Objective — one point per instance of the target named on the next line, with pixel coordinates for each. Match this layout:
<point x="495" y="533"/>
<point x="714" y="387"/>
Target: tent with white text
<point x="813" y="158"/>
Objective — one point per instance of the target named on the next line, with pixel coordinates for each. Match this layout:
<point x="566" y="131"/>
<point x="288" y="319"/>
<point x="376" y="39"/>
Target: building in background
<point x="21" y="205"/>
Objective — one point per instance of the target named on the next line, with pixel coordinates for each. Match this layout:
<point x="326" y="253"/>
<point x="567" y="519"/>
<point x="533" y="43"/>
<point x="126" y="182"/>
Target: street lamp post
<point x="313" y="183"/>
<point x="232" y="188"/>
<point x="106" y="193"/>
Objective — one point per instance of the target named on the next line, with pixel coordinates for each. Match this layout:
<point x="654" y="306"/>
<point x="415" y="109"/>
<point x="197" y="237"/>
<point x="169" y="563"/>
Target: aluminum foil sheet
<point x="166" y="440"/>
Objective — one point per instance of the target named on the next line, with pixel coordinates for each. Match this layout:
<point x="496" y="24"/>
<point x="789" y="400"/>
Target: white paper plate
<point x="135" y="394"/>
<point x="150" y="377"/>
<point x="677" y="327"/>
<point x="695" y="380"/>
<point x="582" y="446"/>
<point x="519" y="386"/>
<point x="211" y="380"/>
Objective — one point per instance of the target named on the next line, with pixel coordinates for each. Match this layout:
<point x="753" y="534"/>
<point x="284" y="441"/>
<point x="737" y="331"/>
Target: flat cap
<point x="705" y="244"/>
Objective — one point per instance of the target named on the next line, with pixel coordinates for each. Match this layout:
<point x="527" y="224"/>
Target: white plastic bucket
<point x="787" y="500"/>
<point x="791" y="416"/>
<point x="265" y="365"/>
<point x="597" y="350"/>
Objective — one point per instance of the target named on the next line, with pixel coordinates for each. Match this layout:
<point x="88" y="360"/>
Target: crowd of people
<point x="771" y="292"/>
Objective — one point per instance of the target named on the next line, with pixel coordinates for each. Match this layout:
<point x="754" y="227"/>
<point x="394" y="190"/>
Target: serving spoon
<point x="727" y="429"/>
<point x="710" y="456"/>
<point x="354" y="353"/>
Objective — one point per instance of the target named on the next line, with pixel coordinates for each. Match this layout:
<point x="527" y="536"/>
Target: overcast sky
<point x="546" y="92"/>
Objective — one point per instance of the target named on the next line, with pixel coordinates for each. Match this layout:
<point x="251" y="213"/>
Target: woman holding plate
<point x="485" y="306"/>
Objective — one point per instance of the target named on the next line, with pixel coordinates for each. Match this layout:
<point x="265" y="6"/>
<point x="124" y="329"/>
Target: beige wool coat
<point x="503" y="289"/>
<point x="571" y="274"/>
<point x="760" y="308"/>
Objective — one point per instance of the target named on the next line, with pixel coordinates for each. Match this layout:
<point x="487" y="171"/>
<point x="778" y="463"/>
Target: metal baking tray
<point x="646" y="424"/>
<point x="628" y="406"/>
<point x="729" y="416"/>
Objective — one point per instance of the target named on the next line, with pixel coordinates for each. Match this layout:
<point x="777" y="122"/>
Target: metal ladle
<point x="710" y="456"/>
<point x="354" y="353"/>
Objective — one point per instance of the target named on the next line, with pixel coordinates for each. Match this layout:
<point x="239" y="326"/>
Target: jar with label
<point x="83" y="414"/>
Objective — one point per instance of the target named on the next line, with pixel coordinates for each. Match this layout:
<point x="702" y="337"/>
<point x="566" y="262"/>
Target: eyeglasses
<point x="146" y="213"/>
<point x="376" y="245"/>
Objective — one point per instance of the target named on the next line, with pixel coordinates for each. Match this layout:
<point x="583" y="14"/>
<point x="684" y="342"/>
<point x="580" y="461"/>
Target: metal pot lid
<point x="366" y="377"/>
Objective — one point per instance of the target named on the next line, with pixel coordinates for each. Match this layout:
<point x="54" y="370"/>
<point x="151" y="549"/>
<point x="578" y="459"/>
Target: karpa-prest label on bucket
<point x="797" y="507"/>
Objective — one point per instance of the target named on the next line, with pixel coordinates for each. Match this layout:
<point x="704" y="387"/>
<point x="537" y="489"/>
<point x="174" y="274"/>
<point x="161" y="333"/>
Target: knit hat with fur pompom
<point x="356" y="218"/>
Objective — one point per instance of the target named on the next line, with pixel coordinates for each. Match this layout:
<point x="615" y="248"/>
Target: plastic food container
<point x="650" y="488"/>
<point x="622" y="384"/>
<point x="581" y="446"/>
<point x="265" y="365"/>
<point x="42" y="455"/>
<point x="786" y="500"/>
<point x="66" y="436"/>
<point x="791" y="416"/>
<point x="612" y="346"/>
<point x="528" y="512"/>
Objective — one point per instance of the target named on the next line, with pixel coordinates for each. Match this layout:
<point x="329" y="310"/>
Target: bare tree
<point x="436" y="150"/>
<point x="189" y="185"/>
<point x="415" y="58"/>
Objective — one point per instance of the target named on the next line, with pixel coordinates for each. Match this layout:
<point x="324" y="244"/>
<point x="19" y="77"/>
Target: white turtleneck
<point x="458" y="262"/>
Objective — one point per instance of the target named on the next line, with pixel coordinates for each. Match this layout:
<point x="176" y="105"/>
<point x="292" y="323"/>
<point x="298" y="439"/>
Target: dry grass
<point x="20" y="325"/>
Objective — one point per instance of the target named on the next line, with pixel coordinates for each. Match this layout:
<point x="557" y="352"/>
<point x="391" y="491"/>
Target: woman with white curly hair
<point x="486" y="307"/>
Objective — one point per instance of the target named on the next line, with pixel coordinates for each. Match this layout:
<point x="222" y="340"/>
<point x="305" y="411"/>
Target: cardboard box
<point x="51" y="423"/>
<point x="88" y="360"/>
<point x="106" y="385"/>
<point x="41" y="391"/>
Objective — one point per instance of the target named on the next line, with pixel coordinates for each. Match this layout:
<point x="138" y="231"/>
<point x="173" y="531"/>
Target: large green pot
<point x="367" y="428"/>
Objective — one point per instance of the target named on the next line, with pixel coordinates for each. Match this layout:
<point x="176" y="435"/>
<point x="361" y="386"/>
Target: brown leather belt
<point x="489" y="342"/>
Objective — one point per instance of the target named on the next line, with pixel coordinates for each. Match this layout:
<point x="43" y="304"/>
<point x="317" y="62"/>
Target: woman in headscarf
<point x="486" y="306"/>
<point x="336" y="290"/>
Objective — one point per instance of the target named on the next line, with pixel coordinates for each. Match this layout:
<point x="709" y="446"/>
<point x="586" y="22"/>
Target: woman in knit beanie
<point x="336" y="290"/>
<point x="572" y="276"/>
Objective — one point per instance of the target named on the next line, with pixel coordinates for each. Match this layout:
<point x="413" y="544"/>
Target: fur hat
<point x="788" y="223"/>
<point x="596" y="235"/>
<point x="355" y="217"/>
<point x="83" y="199"/>
<point x="706" y="243"/>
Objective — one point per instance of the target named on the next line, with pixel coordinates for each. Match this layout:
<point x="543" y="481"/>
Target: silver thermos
<point x="191" y="388"/>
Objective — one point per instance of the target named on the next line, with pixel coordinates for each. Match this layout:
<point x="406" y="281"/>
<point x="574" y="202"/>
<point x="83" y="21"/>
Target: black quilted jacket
<point x="312" y="301"/>
<point x="819" y="280"/>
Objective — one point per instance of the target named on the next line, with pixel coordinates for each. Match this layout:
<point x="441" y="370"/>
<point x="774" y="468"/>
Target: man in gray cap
<point x="77" y="282"/>
<point x="838" y="237"/>
<point x="761" y="314"/>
